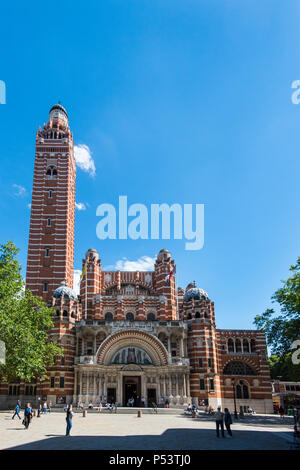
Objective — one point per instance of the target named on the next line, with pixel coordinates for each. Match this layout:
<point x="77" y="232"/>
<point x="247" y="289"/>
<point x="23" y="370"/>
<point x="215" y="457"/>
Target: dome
<point x="164" y="254"/>
<point x="92" y="252"/>
<point x="65" y="292"/>
<point x="196" y="293"/>
<point x="60" y="108"/>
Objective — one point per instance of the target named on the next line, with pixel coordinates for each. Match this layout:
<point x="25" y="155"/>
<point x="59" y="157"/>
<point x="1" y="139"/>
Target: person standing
<point x="143" y="402"/>
<point x="27" y="415"/>
<point x="228" y="421"/>
<point x="17" y="411"/>
<point x="69" y="418"/>
<point x="219" y="416"/>
<point x="45" y="407"/>
<point x="281" y="412"/>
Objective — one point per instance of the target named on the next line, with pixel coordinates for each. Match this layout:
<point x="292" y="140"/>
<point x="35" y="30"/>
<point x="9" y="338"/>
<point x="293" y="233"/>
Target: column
<point x="80" y="386"/>
<point x="94" y="389"/>
<point x="184" y="385"/>
<point x="158" y="389"/>
<point x="188" y="385"/>
<point x="82" y="346"/>
<point x="176" y="378"/>
<point x="181" y="347"/>
<point x="95" y="345"/>
<point x="87" y="385"/>
<point x="169" y="345"/>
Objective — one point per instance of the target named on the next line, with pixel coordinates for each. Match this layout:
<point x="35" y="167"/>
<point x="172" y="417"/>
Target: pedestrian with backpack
<point x="17" y="411"/>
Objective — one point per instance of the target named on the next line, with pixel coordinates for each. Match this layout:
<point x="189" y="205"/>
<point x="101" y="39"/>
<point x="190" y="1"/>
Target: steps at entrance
<point x="129" y="410"/>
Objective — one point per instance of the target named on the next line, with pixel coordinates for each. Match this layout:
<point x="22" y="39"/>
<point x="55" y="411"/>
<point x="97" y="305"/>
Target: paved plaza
<point x="151" y="431"/>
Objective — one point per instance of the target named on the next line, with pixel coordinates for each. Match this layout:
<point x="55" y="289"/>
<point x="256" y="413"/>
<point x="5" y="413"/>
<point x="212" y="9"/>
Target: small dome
<point x="92" y="252"/>
<point x="164" y="254"/>
<point x="193" y="292"/>
<point x="60" y="108"/>
<point x="65" y="292"/>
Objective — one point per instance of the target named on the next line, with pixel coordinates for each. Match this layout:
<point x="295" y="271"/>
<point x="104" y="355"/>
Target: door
<point x="132" y="391"/>
<point x="151" y="396"/>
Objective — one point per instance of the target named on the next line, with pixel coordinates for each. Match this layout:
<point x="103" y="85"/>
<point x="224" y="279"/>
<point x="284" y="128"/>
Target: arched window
<point x="252" y="345"/>
<point x="57" y="313"/>
<point x="129" y="316"/>
<point x="65" y="313"/>
<point x="51" y="173"/>
<point x="230" y="345"/>
<point x="238" y="345"/>
<point x="245" y="391"/>
<point x="151" y="317"/>
<point x="238" y="368"/>
<point x="246" y="345"/>
<point x="189" y="316"/>
<point x="197" y="315"/>
<point x="109" y="316"/>
<point x="238" y="391"/>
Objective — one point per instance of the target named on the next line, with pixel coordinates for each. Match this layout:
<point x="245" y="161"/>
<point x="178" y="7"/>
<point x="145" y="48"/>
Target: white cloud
<point x="83" y="158"/>
<point x="144" y="263"/>
<point x="19" y="190"/>
<point x="76" y="280"/>
<point x="80" y="206"/>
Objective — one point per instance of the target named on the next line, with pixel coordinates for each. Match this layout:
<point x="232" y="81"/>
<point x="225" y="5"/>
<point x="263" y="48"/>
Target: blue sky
<point x="178" y="102"/>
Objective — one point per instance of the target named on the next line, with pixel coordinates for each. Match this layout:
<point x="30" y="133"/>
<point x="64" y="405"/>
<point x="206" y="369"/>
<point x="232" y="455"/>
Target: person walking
<point x="69" y="418"/>
<point x="17" y="411"/>
<point x="27" y="415"/>
<point x="219" y="416"/>
<point x="228" y="421"/>
<point x="45" y="407"/>
<point x="281" y="412"/>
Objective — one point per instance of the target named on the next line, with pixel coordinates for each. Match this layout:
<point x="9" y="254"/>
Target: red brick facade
<point x="127" y="330"/>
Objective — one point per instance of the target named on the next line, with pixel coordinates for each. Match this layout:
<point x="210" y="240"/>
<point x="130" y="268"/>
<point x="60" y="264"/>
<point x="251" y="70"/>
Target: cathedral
<point x="128" y="334"/>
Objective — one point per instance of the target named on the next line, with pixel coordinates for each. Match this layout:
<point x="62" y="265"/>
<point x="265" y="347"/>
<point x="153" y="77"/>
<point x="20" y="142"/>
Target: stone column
<point x="181" y="347"/>
<point x="80" y="386"/>
<point x="95" y="345"/>
<point x="184" y="385"/>
<point x="176" y="378"/>
<point x="158" y="389"/>
<point x="82" y="346"/>
<point x="169" y="345"/>
<point x="188" y="385"/>
<point x="94" y="389"/>
<point x="87" y="385"/>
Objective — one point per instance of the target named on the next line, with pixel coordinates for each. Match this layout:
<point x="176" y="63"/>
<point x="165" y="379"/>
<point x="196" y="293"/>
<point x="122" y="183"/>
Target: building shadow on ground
<point x="172" y="439"/>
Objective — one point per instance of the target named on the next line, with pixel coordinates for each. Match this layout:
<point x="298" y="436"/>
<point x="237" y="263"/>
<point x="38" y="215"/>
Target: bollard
<point x="193" y="414"/>
<point x="139" y="415"/>
<point x="84" y="413"/>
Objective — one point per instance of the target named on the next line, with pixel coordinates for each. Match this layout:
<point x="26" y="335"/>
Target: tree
<point x="281" y="330"/>
<point x="24" y="323"/>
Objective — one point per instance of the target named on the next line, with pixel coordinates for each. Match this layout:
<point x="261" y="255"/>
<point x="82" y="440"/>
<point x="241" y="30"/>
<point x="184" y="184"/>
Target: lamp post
<point x="235" y="412"/>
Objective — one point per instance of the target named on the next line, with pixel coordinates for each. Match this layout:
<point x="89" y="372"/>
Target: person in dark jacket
<point x="27" y="415"/>
<point x="228" y="421"/>
<point x="17" y="411"/>
<point x="69" y="420"/>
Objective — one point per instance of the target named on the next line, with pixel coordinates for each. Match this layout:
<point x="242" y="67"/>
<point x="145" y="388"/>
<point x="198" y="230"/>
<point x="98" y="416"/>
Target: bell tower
<point x="51" y="238"/>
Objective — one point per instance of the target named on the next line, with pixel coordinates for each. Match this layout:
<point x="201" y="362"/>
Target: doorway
<point x="132" y="390"/>
<point x="111" y="395"/>
<point x="151" y="396"/>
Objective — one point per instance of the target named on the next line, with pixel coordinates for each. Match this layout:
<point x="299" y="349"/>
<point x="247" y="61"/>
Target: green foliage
<point x="282" y="366"/>
<point x="24" y="322"/>
<point x="281" y="330"/>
